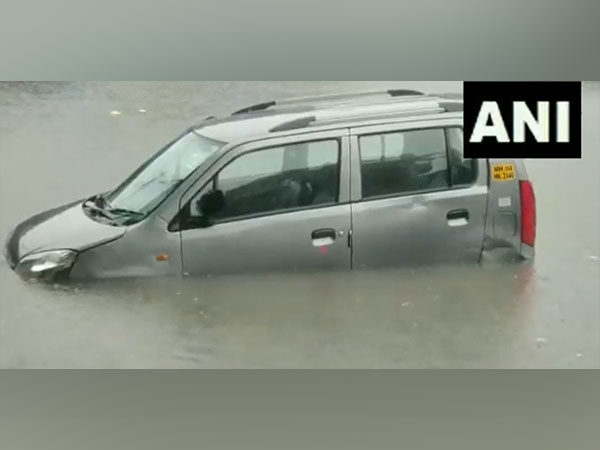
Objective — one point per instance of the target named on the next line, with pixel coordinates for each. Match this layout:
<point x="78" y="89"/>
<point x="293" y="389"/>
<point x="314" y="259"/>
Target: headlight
<point x="46" y="264"/>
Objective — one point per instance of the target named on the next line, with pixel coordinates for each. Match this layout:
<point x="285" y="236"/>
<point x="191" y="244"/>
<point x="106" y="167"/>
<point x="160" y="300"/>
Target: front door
<point x="415" y="198"/>
<point x="285" y="209"/>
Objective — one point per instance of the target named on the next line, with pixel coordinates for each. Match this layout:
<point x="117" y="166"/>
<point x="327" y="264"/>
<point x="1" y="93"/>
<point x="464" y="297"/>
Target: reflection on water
<point x="59" y="141"/>
<point x="432" y="317"/>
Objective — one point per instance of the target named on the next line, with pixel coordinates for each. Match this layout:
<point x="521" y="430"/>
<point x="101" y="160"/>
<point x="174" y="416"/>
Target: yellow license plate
<point x="503" y="172"/>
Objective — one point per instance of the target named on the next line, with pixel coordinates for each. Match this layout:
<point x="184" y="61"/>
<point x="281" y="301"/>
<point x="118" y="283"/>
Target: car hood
<point x="65" y="227"/>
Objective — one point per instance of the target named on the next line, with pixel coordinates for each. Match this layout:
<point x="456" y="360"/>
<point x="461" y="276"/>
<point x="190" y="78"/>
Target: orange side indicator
<point x="162" y="257"/>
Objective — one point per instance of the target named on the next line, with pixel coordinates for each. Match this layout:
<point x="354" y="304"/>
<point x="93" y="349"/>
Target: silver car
<point x="329" y="182"/>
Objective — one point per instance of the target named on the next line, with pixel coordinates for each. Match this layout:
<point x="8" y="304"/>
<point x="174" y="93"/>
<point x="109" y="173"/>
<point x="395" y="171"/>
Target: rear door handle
<point x="322" y="233"/>
<point x="457" y="217"/>
<point x="323" y="236"/>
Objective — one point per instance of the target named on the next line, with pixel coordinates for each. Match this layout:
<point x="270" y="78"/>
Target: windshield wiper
<point x="113" y="215"/>
<point x="124" y="211"/>
<point x="102" y="203"/>
<point x="92" y="206"/>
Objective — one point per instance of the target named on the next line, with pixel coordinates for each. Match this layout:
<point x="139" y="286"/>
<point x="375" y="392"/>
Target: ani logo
<point x="522" y="119"/>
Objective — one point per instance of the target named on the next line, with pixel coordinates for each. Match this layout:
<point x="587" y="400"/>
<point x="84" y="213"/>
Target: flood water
<point x="60" y="142"/>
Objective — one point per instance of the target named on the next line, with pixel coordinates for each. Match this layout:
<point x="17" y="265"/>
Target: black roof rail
<point x="450" y="106"/>
<point x="265" y="105"/>
<point x="257" y="107"/>
<point x="451" y="95"/>
<point x="302" y="122"/>
<point x="451" y="102"/>
<point x="401" y="92"/>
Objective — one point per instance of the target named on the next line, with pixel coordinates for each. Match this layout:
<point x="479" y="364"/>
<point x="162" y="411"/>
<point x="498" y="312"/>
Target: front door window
<point x="276" y="180"/>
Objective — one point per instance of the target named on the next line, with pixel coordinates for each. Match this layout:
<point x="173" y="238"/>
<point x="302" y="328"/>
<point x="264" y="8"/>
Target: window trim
<point x="474" y="161"/>
<point x="275" y="212"/>
<point x="450" y="187"/>
<point x="175" y="226"/>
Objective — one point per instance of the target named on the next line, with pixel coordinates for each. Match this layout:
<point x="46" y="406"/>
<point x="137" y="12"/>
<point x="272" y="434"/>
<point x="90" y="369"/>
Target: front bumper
<point x="7" y="250"/>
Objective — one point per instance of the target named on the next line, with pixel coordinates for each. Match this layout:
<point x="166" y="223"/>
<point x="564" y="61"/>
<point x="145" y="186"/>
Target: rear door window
<point x="413" y="161"/>
<point x="403" y="162"/>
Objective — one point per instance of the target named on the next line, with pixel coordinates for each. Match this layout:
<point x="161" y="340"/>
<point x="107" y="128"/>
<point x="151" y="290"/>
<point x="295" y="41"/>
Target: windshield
<point x="155" y="180"/>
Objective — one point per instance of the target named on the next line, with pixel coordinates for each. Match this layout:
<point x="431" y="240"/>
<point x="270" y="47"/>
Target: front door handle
<point x="457" y="217"/>
<point x="323" y="236"/>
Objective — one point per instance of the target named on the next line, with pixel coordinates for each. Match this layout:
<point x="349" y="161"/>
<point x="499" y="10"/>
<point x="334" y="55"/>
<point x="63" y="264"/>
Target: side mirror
<point x="211" y="203"/>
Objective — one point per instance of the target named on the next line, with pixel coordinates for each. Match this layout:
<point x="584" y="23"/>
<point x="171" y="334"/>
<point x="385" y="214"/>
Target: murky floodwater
<point x="58" y="142"/>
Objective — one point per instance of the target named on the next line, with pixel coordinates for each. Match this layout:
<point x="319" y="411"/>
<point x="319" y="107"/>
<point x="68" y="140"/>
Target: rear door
<point x="415" y="199"/>
<point x="286" y="208"/>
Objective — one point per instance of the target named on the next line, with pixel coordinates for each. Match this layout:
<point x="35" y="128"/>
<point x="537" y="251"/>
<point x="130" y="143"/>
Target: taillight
<point x="527" y="213"/>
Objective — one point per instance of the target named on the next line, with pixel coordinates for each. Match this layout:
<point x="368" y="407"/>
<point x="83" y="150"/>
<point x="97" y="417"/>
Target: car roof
<point x="323" y="112"/>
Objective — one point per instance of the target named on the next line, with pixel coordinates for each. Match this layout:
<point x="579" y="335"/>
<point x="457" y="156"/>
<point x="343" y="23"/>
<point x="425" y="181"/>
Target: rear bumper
<point x="527" y="251"/>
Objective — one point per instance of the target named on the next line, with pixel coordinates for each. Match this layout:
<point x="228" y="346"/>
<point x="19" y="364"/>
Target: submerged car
<point x="317" y="183"/>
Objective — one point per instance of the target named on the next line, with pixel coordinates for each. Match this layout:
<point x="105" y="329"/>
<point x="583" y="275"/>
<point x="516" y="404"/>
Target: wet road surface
<point x="62" y="141"/>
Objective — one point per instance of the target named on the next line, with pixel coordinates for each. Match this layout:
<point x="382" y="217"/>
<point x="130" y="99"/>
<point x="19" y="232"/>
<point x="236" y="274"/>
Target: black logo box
<point x="507" y="92"/>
